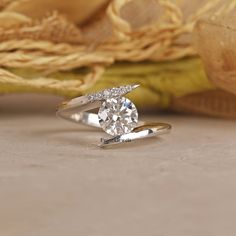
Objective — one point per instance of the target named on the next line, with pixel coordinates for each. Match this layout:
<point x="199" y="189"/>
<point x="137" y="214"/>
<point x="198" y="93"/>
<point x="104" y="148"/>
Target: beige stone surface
<point x="55" y="182"/>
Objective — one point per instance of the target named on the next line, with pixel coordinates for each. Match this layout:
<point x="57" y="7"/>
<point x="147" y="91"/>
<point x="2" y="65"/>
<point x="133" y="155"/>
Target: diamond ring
<point x="117" y="115"/>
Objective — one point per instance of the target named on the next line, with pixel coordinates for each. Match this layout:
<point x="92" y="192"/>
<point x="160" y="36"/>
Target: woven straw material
<point x="163" y="37"/>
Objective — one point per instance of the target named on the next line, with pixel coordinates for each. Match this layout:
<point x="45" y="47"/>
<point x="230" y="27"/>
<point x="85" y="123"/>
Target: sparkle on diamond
<point x="118" y="116"/>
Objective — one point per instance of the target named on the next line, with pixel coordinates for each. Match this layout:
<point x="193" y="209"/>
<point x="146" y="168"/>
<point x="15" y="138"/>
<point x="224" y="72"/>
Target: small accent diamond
<point x="110" y="93"/>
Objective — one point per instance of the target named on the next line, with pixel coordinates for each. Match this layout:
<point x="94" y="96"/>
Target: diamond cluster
<point x="118" y="116"/>
<point x="110" y="93"/>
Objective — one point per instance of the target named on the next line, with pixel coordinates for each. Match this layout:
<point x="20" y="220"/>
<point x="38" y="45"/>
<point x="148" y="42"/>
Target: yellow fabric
<point x="160" y="81"/>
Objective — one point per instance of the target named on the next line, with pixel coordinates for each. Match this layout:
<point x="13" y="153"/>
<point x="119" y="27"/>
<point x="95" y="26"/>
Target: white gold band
<point x="144" y="131"/>
<point x="75" y="111"/>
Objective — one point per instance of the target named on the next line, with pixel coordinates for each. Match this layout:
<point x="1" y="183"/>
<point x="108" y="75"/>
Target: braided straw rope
<point x="155" y="42"/>
<point x="39" y="84"/>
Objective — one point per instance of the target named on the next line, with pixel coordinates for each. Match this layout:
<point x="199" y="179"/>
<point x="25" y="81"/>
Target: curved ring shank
<point x="144" y="131"/>
<point x="75" y="111"/>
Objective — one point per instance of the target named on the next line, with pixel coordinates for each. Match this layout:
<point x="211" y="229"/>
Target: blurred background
<point x="181" y="52"/>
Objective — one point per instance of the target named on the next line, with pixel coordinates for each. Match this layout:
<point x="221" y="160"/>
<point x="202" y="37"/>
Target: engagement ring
<point x="117" y="115"/>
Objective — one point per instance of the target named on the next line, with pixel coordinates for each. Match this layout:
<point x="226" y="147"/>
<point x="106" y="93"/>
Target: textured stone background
<point x="53" y="181"/>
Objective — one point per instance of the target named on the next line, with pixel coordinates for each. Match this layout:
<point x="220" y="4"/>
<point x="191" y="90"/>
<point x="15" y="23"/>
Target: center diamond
<point x="118" y="116"/>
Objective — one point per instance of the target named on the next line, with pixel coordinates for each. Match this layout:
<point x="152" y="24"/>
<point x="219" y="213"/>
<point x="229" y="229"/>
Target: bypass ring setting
<point x="117" y="115"/>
